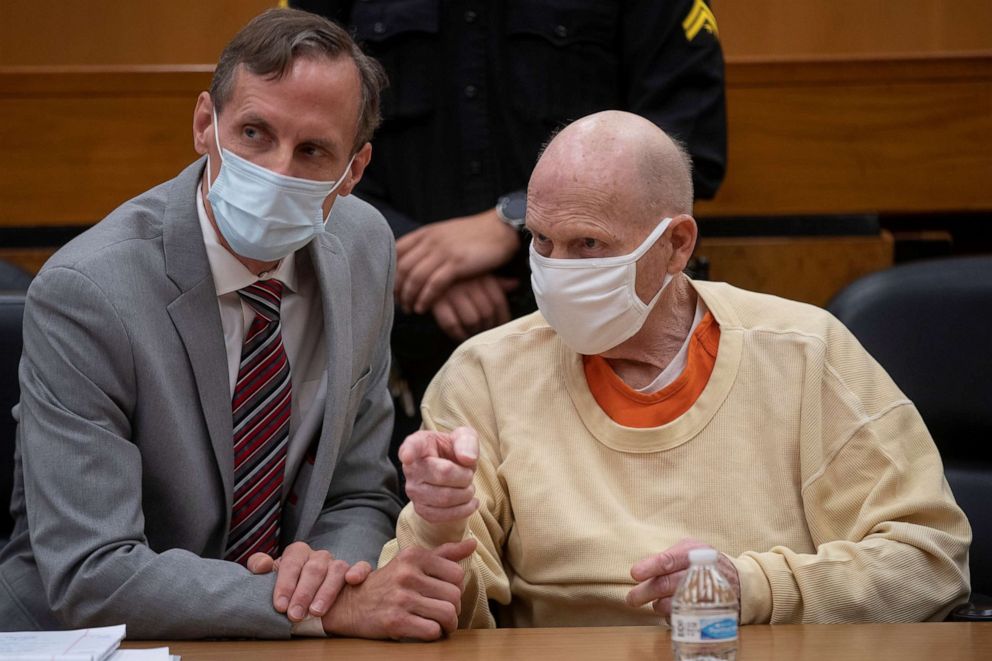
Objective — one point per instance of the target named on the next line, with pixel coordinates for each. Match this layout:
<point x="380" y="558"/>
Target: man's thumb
<point x="457" y="551"/>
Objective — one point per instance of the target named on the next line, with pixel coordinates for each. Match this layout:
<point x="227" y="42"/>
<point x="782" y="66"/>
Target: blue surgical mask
<point x="262" y="214"/>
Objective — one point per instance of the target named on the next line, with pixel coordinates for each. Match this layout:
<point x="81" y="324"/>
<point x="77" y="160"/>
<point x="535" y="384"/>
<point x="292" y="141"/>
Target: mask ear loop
<point x="643" y="249"/>
<point x="213" y="112"/>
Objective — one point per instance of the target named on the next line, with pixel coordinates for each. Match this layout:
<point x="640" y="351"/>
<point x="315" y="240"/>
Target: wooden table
<point x="957" y="641"/>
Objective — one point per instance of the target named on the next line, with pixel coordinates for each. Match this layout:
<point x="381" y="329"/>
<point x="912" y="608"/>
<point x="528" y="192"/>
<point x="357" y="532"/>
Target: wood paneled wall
<point x="858" y="135"/>
<point x="130" y="32"/>
<point x="120" y="32"/>
<point x="826" y="136"/>
<point x="805" y="28"/>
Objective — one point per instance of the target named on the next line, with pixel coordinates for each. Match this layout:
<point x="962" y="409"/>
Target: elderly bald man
<point x="641" y="414"/>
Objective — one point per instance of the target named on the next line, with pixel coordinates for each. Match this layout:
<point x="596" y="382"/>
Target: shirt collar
<point x="230" y="275"/>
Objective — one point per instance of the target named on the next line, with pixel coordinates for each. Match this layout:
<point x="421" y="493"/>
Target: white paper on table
<point x="153" y="654"/>
<point x="77" y="645"/>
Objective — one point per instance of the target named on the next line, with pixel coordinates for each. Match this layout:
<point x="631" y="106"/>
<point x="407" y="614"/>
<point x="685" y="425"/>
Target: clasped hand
<point x="417" y="595"/>
<point x="658" y="576"/>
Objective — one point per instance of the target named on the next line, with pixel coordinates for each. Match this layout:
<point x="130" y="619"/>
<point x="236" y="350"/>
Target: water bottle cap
<point x="702" y="556"/>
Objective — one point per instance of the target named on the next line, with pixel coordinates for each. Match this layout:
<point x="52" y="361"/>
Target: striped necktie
<point x="261" y="407"/>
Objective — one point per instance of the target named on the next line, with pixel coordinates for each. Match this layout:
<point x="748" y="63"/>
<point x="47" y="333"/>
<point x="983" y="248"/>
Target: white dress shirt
<point x="302" y="319"/>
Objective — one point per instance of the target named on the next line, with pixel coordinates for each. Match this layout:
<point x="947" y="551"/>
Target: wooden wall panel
<point x="106" y="32"/>
<point x="127" y="32"/>
<point x="78" y="143"/>
<point x="807" y="269"/>
<point x="843" y="135"/>
<point x="804" y="28"/>
<point x="835" y="136"/>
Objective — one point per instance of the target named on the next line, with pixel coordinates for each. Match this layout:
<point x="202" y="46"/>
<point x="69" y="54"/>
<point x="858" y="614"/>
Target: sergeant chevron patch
<point x="700" y="17"/>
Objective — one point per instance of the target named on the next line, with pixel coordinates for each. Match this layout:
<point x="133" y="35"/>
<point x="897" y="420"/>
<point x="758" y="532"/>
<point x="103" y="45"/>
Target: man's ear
<point x="203" y="123"/>
<point x="682" y="234"/>
<point x="358" y="165"/>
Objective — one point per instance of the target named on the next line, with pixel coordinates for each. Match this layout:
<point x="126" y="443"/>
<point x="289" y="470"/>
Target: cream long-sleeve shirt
<point x="801" y="460"/>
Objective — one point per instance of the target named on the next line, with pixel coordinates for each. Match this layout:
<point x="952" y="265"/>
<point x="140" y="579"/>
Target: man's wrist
<point x="509" y="236"/>
<point x="339" y="620"/>
<point x="432" y="535"/>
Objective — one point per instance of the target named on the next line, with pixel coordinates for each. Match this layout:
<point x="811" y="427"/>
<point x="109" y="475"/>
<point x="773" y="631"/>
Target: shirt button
<point x="474" y="167"/>
<point x="379" y="27"/>
<point x="471" y="91"/>
<point x="470" y="16"/>
<point x="561" y="31"/>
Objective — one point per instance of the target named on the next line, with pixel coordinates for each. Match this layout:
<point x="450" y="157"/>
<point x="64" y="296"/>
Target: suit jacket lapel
<point x="196" y="316"/>
<point x="334" y="280"/>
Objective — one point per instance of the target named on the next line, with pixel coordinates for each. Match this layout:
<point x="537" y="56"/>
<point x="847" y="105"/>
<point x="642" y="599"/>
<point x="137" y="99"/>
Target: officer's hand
<point x="472" y="306"/>
<point x="439" y="468"/>
<point x="308" y="580"/>
<point x="431" y="258"/>
<point x="416" y="596"/>
<point x="659" y="575"/>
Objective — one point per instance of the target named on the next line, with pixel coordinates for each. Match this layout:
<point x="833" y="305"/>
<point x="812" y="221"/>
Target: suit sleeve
<point x="674" y="76"/>
<point x="83" y="484"/>
<point x="360" y="511"/>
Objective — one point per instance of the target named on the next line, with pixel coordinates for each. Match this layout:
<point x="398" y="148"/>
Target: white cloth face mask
<point x="592" y="303"/>
<point x="262" y="214"/>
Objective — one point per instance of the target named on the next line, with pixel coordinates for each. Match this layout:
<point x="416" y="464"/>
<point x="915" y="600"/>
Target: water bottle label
<point x="696" y="629"/>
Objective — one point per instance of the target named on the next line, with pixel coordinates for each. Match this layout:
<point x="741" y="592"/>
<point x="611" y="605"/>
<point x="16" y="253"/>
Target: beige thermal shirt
<point x="801" y="460"/>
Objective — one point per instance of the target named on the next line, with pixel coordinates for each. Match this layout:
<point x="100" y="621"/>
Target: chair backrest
<point x="13" y="278"/>
<point x="928" y="324"/>
<point x="11" y="317"/>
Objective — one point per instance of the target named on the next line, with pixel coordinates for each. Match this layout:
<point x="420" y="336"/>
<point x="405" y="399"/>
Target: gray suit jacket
<point x="125" y="465"/>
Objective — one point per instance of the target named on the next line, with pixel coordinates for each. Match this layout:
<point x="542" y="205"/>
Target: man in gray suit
<point x="204" y="418"/>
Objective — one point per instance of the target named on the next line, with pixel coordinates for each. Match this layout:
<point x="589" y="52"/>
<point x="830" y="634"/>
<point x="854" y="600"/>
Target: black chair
<point x="11" y="317"/>
<point x="928" y="324"/>
<point x="13" y="278"/>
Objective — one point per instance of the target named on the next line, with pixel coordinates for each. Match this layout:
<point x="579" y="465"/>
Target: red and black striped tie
<point x="261" y="405"/>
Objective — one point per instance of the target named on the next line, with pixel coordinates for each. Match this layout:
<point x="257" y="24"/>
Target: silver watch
<point x="512" y="209"/>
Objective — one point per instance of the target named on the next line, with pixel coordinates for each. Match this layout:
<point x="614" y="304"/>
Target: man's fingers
<point x="435" y="496"/>
<point x="328" y="591"/>
<point x="441" y="611"/>
<point x="418" y="275"/>
<point x="418" y="445"/>
<point x="435" y="449"/>
<point x="409" y="240"/>
<point x="465" y="446"/>
<point x="456" y="551"/>
<point x="672" y="559"/>
<point x="312" y="578"/>
<point x="507" y="284"/>
<point x="448" y="321"/>
<point x="438" y="472"/>
<point x="357" y="573"/>
<point x="501" y="308"/>
<point x="405" y="262"/>
<point x="290" y="565"/>
<point x="658" y="587"/>
<point x="436" y="282"/>
<point x="468" y="314"/>
<point x="663" y="607"/>
<point x="260" y="563"/>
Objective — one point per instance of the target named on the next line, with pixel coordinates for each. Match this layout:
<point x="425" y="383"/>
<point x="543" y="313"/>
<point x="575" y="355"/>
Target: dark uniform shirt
<point x="477" y="87"/>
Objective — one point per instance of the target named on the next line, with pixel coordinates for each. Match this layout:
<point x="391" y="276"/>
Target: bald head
<point x="622" y="160"/>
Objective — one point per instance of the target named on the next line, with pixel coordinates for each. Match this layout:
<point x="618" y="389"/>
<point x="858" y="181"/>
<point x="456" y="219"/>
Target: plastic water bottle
<point x="704" y="612"/>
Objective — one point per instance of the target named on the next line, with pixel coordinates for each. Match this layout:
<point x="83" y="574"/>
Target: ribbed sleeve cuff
<point x="756" y="592"/>
<point x="412" y="530"/>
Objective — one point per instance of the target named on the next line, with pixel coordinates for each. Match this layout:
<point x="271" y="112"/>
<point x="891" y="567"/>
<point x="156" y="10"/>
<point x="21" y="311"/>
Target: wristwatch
<point x="512" y="209"/>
